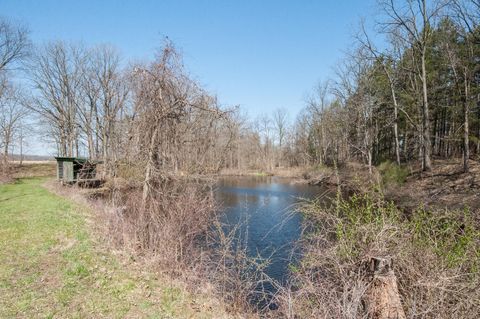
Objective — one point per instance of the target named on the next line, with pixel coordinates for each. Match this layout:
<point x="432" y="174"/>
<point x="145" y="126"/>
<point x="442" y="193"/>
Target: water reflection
<point x="264" y="206"/>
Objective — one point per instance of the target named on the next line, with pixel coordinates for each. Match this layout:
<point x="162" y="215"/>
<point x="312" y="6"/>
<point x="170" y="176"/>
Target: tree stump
<point x="382" y="300"/>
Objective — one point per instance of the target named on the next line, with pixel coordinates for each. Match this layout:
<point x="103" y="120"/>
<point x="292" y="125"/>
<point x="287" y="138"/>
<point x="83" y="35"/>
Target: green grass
<point x="260" y="174"/>
<point x="52" y="267"/>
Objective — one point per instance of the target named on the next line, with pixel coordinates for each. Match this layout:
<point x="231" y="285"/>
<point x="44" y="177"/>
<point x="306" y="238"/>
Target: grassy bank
<point x="52" y="266"/>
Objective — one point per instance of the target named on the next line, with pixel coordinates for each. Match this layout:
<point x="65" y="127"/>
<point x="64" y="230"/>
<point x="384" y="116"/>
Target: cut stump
<point x="382" y="300"/>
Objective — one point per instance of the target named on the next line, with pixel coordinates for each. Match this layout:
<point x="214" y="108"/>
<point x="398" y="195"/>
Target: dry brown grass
<point x="445" y="186"/>
<point x="436" y="260"/>
<point x="30" y="169"/>
<point x="175" y="236"/>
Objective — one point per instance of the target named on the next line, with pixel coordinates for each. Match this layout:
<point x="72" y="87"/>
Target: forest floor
<point x="53" y="264"/>
<point x="445" y="186"/>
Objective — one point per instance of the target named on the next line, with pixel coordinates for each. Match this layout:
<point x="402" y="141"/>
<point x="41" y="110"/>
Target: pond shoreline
<point x="445" y="186"/>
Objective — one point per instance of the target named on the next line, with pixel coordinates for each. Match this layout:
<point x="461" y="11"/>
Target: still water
<point x="265" y="209"/>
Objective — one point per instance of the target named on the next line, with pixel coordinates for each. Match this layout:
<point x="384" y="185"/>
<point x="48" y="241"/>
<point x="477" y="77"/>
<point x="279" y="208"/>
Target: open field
<point x="51" y="266"/>
<point x="33" y="169"/>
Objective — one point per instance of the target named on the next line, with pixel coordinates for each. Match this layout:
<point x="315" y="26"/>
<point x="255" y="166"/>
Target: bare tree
<point x="467" y="14"/>
<point x="355" y="90"/>
<point x="103" y="96"/>
<point x="467" y="17"/>
<point x="280" y="124"/>
<point x="413" y="22"/>
<point x="14" y="47"/>
<point x="169" y="112"/>
<point x="14" y="44"/>
<point x="22" y="134"/>
<point x="12" y="111"/>
<point x="56" y="74"/>
<point x="264" y="128"/>
<point x="386" y="60"/>
<point x="317" y="105"/>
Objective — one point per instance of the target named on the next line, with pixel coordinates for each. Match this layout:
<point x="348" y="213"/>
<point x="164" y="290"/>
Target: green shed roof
<point x="70" y="159"/>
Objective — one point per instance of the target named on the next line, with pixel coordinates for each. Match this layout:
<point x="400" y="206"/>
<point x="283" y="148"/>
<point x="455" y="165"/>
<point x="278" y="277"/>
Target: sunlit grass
<point x="51" y="266"/>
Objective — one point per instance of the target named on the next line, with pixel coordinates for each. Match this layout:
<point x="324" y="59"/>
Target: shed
<point x="74" y="169"/>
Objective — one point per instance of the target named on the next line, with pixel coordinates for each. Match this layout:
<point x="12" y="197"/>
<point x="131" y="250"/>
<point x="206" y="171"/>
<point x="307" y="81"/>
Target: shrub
<point x="436" y="257"/>
<point x="167" y="227"/>
<point x="392" y="174"/>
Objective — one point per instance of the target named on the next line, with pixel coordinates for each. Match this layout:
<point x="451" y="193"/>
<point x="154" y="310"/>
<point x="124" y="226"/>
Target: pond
<point x="265" y="209"/>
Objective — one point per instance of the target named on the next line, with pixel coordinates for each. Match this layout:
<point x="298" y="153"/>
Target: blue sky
<point x="260" y="55"/>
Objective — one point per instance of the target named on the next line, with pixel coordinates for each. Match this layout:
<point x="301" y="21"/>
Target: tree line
<point x="415" y="95"/>
<point x="414" y="98"/>
<point x="87" y="103"/>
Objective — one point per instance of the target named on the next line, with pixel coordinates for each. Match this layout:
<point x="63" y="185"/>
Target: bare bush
<point x="435" y="260"/>
<point x="177" y="215"/>
<point x="238" y="277"/>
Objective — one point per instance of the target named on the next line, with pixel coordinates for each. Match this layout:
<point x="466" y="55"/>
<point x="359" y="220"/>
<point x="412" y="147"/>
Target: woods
<point x="412" y="96"/>
<point x="416" y="98"/>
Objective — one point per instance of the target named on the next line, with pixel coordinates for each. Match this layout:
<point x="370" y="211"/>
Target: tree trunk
<point x="466" y="149"/>
<point x="395" y="115"/>
<point x="395" y="131"/>
<point x="382" y="299"/>
<point x="369" y="159"/>
<point x="21" y="148"/>
<point x="91" y="146"/>
<point x="5" y="155"/>
<point x="426" y="141"/>
<point x="150" y="166"/>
